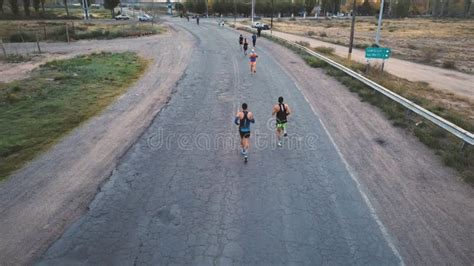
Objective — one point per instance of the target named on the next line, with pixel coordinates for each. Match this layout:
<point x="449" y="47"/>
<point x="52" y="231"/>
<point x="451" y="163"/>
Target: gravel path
<point x="40" y="200"/>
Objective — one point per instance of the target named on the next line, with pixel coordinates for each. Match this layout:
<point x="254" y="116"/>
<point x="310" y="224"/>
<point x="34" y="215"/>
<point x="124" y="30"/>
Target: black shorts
<point x="244" y="134"/>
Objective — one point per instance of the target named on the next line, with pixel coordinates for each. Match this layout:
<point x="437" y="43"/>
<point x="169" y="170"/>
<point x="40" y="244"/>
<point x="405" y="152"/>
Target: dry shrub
<point x="449" y="64"/>
<point x="303" y="43"/>
<point x="324" y="50"/>
<point x="429" y="55"/>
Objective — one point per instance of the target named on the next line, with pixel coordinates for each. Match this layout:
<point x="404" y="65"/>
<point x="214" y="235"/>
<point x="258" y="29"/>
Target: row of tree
<point x="394" y="8"/>
<point x="14" y="6"/>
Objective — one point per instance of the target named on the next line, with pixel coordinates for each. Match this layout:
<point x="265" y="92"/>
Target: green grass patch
<point x="445" y="145"/>
<point x="36" y="112"/>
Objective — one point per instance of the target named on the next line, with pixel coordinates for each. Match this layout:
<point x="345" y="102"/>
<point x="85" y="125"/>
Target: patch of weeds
<point x="429" y="55"/>
<point x="15" y="58"/>
<point x="314" y="62"/>
<point x="22" y="37"/>
<point x="311" y="33"/>
<point x="303" y="43"/>
<point x="324" y="50"/>
<point x="449" y="64"/>
<point x="323" y="34"/>
<point x="361" y="45"/>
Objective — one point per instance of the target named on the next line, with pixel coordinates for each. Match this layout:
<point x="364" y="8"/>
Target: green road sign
<point x="377" y="53"/>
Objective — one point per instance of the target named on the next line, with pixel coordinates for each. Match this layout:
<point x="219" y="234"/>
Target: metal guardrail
<point x="457" y="131"/>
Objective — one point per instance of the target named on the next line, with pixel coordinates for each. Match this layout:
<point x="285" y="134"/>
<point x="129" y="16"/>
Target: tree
<point x="111" y="4"/>
<point x="14" y="7"/>
<point x="26" y="7"/>
<point x="467" y="7"/>
<point x="36" y="5"/>
<point x="1" y="6"/>
<point x="402" y="8"/>
<point x="42" y="5"/>
<point x="366" y="9"/>
<point x="67" y="8"/>
<point x="309" y="5"/>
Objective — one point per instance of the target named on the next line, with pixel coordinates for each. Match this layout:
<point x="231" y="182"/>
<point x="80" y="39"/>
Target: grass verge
<point x="445" y="145"/>
<point x="36" y="112"/>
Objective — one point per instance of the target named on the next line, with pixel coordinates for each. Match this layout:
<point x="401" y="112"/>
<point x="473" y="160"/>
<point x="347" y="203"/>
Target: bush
<point x="311" y="33"/>
<point x="391" y="29"/>
<point x="22" y="37"/>
<point x="323" y="34"/>
<point x="303" y="43"/>
<point x="314" y="62"/>
<point x="449" y="64"/>
<point x="324" y="50"/>
<point x="361" y="45"/>
<point x="428" y="55"/>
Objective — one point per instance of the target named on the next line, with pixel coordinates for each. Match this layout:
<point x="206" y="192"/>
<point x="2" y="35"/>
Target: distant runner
<point x="254" y="39"/>
<point x="253" y="62"/>
<point x="282" y="111"/>
<point x="243" y="120"/>
<point x="241" y="41"/>
<point x="246" y="46"/>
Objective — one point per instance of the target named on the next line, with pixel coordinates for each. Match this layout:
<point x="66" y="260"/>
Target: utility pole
<point x="253" y="10"/>
<point x="235" y="13"/>
<point x="207" y="9"/>
<point x="351" y="40"/>
<point x="377" y="35"/>
<point x="271" y="21"/>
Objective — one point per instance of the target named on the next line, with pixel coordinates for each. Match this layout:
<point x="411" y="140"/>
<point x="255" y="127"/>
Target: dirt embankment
<point x="425" y="206"/>
<point x="43" y="198"/>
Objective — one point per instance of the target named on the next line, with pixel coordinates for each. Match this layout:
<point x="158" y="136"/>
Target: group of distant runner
<point x="244" y="117"/>
<point x="244" y="45"/>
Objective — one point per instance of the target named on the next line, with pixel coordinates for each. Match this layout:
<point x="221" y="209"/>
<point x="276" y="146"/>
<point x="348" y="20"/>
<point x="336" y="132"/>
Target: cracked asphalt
<point x="182" y="194"/>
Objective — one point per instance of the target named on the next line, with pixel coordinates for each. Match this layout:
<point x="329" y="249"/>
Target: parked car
<point x="122" y="17"/>
<point x="261" y="25"/>
<point x="145" y="18"/>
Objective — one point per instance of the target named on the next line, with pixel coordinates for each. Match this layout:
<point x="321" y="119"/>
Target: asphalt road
<point x="183" y="195"/>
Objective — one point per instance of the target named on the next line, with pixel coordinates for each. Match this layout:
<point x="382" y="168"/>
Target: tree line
<point x="39" y="6"/>
<point x="392" y="8"/>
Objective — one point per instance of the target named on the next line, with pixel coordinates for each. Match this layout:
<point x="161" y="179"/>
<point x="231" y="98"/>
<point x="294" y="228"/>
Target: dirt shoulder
<point x="43" y="198"/>
<point x="427" y="209"/>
